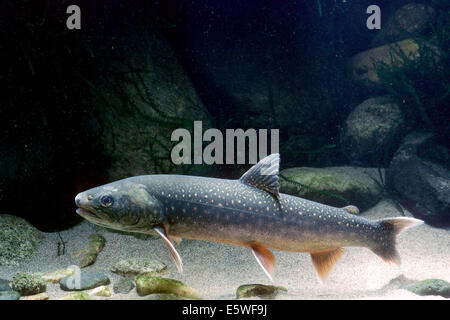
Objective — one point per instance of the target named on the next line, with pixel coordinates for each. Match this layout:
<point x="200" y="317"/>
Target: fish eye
<point x="106" y="201"/>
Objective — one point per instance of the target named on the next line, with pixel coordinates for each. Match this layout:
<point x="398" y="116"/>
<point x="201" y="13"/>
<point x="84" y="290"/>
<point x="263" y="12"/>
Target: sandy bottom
<point x="217" y="270"/>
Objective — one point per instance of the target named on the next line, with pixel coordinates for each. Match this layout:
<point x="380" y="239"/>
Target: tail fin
<point x="391" y="228"/>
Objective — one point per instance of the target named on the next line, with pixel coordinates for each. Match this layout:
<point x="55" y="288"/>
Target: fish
<point x="249" y="212"/>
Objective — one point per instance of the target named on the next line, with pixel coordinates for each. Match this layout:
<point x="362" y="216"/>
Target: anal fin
<point x="265" y="258"/>
<point x="324" y="261"/>
<point x="173" y="252"/>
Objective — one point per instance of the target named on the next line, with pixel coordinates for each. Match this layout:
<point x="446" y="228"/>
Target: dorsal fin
<point x="264" y="174"/>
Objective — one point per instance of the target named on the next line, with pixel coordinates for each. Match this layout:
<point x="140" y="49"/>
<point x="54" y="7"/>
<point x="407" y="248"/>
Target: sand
<point x="217" y="270"/>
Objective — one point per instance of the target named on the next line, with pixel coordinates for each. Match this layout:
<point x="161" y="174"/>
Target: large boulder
<point x="365" y="65"/>
<point x="19" y="240"/>
<point x="419" y="172"/>
<point x="144" y="97"/>
<point x="335" y="186"/>
<point x="412" y="19"/>
<point x="372" y="131"/>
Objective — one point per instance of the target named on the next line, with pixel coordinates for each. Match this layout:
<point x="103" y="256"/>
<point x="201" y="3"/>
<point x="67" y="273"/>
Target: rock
<point x="364" y="64"/>
<point x="373" y="131"/>
<point x="40" y="296"/>
<point x="419" y="172"/>
<point x="334" y="186"/>
<point x="164" y="296"/>
<point x="102" y="291"/>
<point x="83" y="281"/>
<point x="56" y="276"/>
<point x="88" y="255"/>
<point x="9" y="295"/>
<point x="135" y="267"/>
<point x="18" y="239"/>
<point x="146" y="285"/>
<point x="4" y="285"/>
<point x="258" y="290"/>
<point x="430" y="287"/>
<point x="124" y="285"/>
<point x="141" y="102"/>
<point x="77" y="296"/>
<point x="410" y="20"/>
<point x="28" y="284"/>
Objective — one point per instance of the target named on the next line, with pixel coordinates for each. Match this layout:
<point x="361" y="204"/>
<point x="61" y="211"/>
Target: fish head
<point x="121" y="205"/>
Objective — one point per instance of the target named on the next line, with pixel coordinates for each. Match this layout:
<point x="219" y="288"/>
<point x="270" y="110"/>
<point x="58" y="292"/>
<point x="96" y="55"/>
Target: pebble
<point x="28" y="284"/>
<point x="4" y="285"/>
<point x="135" y="267"/>
<point x="124" y="285"/>
<point x="258" y="290"/>
<point x="57" y="275"/>
<point x="102" y="291"/>
<point x="88" y="255"/>
<point x="430" y="287"/>
<point x="9" y="295"/>
<point x="81" y="295"/>
<point x="83" y="281"/>
<point x="39" y="296"/>
<point x="146" y="285"/>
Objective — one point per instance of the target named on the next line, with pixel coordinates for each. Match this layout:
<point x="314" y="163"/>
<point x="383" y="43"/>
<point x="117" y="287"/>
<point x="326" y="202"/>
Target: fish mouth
<point x="86" y="213"/>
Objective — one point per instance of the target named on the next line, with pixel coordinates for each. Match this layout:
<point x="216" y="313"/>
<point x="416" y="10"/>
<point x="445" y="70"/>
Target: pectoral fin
<point x="173" y="252"/>
<point x="324" y="261"/>
<point x="265" y="258"/>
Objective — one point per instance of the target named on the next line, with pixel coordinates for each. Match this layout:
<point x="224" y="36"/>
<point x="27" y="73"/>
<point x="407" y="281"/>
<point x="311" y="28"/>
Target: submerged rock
<point x="146" y="95"/>
<point x="420" y="173"/>
<point x="124" y="285"/>
<point x="39" y="296"/>
<point x="135" y="267"/>
<point x="373" y="131"/>
<point x="258" y="290"/>
<point x="364" y="64"/>
<point x="335" y="186"/>
<point x="18" y="239"/>
<point x="88" y="255"/>
<point x="430" y="287"/>
<point x="412" y="19"/>
<point x="56" y="276"/>
<point x="28" y="284"/>
<point x="77" y="296"/>
<point x="9" y="295"/>
<point x="83" y="281"/>
<point x="165" y="296"/>
<point x="4" y="285"/>
<point x="102" y="291"/>
<point x="146" y="285"/>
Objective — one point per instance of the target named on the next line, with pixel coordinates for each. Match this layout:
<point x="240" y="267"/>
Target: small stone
<point x="136" y="267"/>
<point x="83" y="281"/>
<point x="40" y="296"/>
<point x="164" y="296"/>
<point x="124" y="285"/>
<point x="28" y="284"/>
<point x="57" y="275"/>
<point x="102" y="291"/>
<point x="258" y="290"/>
<point x="430" y="287"/>
<point x="4" y="285"/>
<point x="146" y="285"/>
<point x="88" y="255"/>
<point x="9" y="295"/>
<point x="77" y="296"/>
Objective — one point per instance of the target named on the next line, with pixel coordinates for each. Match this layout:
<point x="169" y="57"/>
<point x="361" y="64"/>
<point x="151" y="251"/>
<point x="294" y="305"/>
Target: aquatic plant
<point x="420" y="81"/>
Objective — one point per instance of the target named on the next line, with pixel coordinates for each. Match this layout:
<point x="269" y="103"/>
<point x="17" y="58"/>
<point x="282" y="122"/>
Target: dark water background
<point x="289" y="53"/>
